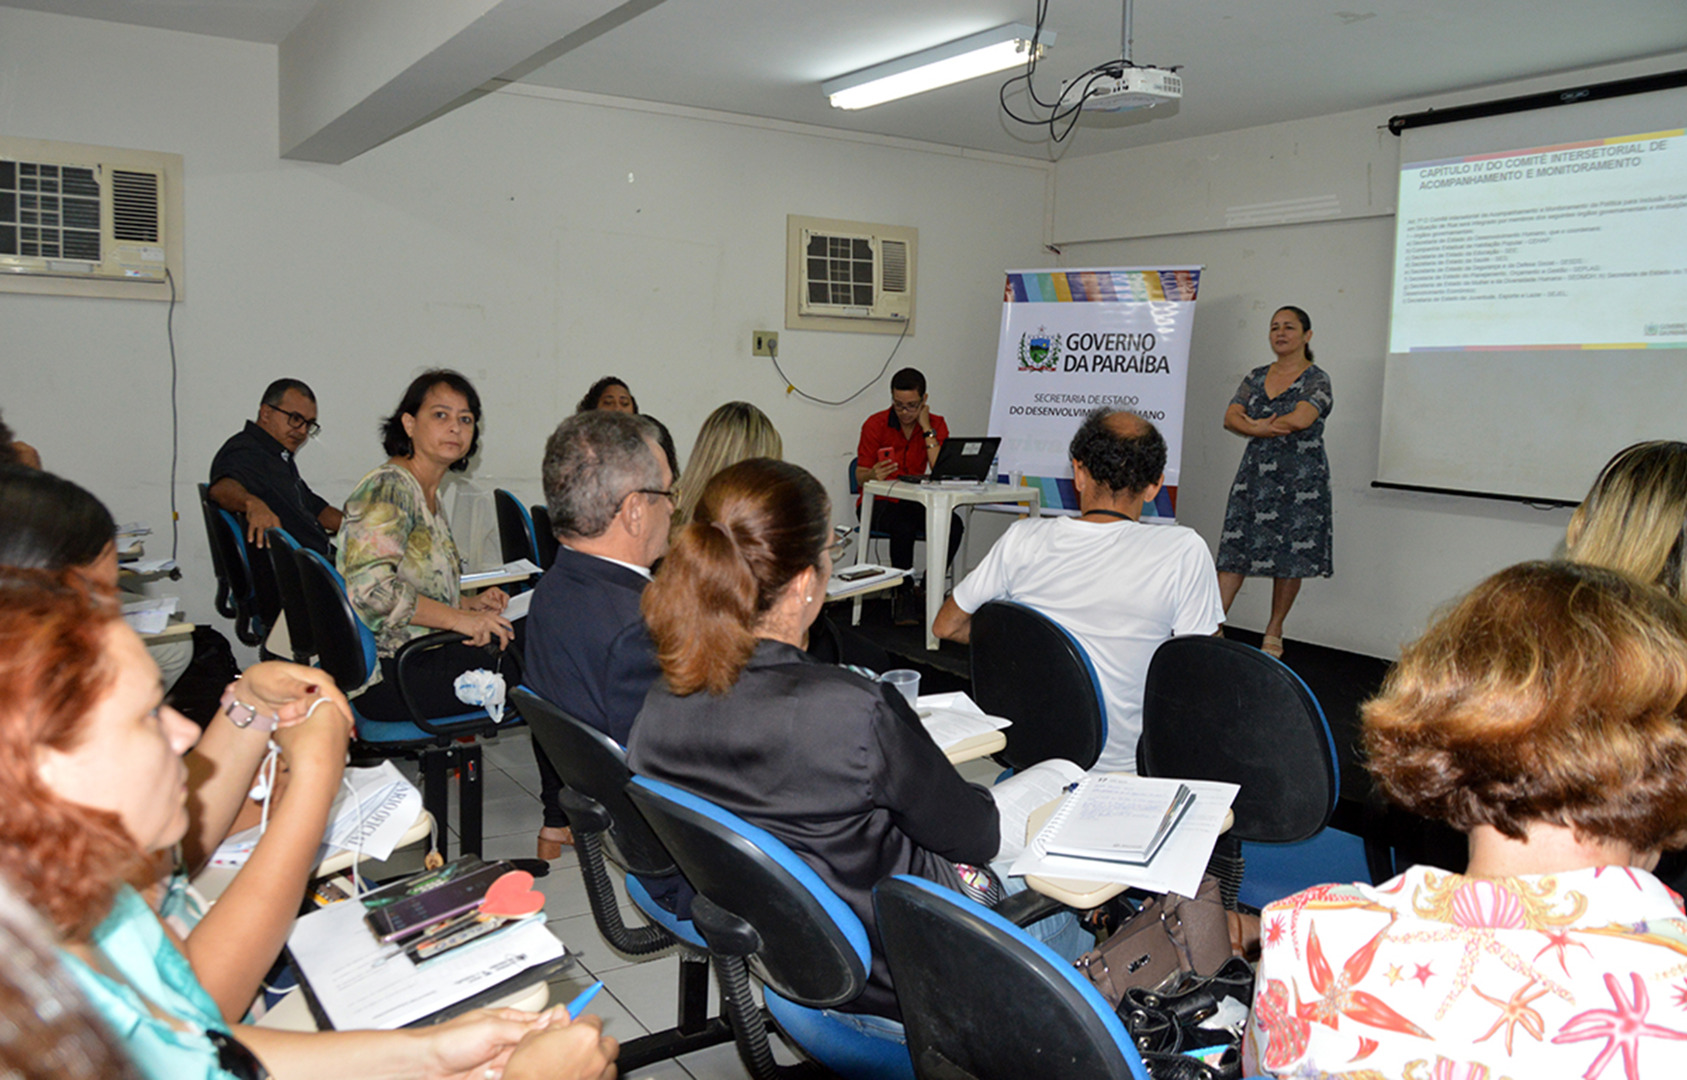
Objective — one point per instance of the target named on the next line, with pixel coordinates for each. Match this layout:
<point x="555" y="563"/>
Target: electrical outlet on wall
<point x="764" y="343"/>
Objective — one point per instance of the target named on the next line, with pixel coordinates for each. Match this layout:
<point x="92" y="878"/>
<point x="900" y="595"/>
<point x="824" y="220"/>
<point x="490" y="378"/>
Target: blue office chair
<point x="594" y="773"/>
<point x="1215" y="709"/>
<point x="1028" y="668"/>
<point x="346" y="650"/>
<point x="543" y="538"/>
<point x="982" y="999"/>
<point x="761" y="908"/>
<point x="284" y="568"/>
<point x="516" y="538"/>
<point x="237" y="594"/>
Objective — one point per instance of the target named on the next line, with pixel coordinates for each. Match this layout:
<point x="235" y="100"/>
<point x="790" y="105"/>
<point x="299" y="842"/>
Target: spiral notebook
<point x="1116" y="818"/>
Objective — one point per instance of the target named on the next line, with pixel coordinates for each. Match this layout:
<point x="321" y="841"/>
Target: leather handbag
<point x="1169" y="937"/>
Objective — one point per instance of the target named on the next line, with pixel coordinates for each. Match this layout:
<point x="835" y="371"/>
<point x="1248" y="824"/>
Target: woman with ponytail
<point x="832" y="763"/>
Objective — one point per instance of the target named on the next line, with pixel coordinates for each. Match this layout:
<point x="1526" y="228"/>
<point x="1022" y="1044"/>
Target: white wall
<point x="534" y="240"/>
<point x="1397" y="555"/>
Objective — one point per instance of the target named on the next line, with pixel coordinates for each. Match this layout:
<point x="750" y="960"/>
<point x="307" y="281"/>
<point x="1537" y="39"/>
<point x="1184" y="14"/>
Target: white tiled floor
<point x="638" y="997"/>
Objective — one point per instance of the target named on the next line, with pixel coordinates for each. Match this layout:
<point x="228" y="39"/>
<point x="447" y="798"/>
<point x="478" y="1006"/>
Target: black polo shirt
<point x="264" y="467"/>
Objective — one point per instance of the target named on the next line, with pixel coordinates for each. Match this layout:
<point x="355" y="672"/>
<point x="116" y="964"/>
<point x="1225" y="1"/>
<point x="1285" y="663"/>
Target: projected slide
<point x="1570" y="246"/>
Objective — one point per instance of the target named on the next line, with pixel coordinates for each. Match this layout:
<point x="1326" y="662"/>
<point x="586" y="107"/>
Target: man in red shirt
<point x="903" y="441"/>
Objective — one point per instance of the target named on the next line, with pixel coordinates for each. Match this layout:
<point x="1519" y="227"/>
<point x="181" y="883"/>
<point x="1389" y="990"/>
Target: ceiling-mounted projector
<point x="1134" y="88"/>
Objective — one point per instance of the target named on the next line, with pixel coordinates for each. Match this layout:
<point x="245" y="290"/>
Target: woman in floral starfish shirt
<point x="1545" y="716"/>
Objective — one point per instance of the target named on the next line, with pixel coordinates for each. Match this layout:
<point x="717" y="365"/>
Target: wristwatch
<point x="931" y="434"/>
<point x="244" y="716"/>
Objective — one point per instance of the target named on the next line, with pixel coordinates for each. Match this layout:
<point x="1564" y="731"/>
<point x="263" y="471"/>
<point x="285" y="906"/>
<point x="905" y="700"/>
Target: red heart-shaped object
<point x="512" y="896"/>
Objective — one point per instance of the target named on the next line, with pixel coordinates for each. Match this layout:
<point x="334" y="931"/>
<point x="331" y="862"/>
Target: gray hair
<point x="593" y="460"/>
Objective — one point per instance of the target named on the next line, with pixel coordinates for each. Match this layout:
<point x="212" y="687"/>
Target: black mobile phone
<point x="858" y="574"/>
<point x="414" y="914"/>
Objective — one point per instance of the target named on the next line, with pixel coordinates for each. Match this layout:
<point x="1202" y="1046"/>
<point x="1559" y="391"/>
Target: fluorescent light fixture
<point x="966" y="58"/>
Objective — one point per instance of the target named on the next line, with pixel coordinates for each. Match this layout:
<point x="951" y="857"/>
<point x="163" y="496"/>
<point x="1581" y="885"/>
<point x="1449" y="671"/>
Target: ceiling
<point x="1244" y="62"/>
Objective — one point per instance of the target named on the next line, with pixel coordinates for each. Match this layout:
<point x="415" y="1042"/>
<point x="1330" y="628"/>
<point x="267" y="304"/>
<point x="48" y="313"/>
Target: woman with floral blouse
<point x="401" y="566"/>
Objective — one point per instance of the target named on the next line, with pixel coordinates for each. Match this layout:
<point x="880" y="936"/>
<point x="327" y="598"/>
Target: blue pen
<point x="576" y="1006"/>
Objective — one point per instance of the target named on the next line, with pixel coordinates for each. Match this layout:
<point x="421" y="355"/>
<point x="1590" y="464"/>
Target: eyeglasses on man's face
<point x="298" y="420"/>
<point x="671" y="494"/>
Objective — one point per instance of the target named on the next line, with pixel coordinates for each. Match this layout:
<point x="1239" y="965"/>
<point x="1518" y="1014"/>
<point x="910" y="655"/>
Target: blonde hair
<point x="1635" y="516"/>
<point x="734" y="432"/>
<point x="1553" y="692"/>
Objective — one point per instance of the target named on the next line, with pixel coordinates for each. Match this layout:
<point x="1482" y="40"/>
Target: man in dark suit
<point x="608" y="488"/>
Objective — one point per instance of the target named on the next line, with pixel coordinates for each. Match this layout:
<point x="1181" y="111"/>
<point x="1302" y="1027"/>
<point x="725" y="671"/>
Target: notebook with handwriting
<point x="1116" y="818"/>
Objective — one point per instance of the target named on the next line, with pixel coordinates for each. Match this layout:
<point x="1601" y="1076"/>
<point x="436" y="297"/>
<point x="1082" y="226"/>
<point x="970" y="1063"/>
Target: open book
<point x="1116" y="818"/>
<point x="1021" y="794"/>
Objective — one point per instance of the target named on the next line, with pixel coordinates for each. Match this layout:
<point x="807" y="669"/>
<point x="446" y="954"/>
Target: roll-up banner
<point x="1075" y="339"/>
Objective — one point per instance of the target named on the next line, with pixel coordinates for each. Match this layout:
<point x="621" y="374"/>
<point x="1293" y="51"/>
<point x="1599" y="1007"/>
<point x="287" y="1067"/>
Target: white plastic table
<point x="940" y="502"/>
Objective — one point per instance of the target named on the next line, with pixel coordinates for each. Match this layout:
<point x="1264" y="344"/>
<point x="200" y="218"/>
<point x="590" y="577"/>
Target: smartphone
<point x="413" y="915"/>
<point x="857" y="575"/>
<point x="886" y="453"/>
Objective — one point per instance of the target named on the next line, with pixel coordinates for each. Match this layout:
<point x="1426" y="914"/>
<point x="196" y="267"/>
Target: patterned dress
<point x="1446" y="977"/>
<point x="1277" y="523"/>
<point x="392" y="550"/>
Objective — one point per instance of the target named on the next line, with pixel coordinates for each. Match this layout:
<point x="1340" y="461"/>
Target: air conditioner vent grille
<point x="895" y="266"/>
<point x="134" y="206"/>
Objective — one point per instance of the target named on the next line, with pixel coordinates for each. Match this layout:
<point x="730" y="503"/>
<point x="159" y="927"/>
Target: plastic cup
<point x="906" y="681"/>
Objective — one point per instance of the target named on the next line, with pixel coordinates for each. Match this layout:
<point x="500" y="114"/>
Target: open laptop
<point x="962" y="457"/>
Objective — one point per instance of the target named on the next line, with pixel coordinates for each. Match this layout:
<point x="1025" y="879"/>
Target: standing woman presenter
<point x="1277" y="523"/>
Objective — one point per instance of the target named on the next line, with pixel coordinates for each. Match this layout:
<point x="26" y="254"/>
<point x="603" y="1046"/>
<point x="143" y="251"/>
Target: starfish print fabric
<point x="1437" y="975"/>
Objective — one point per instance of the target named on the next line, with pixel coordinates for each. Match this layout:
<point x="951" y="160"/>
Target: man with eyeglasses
<point x="256" y="474"/>
<point x="609" y="492"/>
<point x="903" y="441"/>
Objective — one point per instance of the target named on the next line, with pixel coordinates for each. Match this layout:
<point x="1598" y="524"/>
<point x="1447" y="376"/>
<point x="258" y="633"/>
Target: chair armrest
<point x="408" y="663"/>
<point x="1024" y="908"/>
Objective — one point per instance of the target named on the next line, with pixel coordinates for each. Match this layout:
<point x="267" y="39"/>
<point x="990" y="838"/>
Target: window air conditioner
<point x="99" y="215"/>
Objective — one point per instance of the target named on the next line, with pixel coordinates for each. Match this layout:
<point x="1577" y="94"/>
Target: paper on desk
<point x="361" y="983"/>
<point x="517" y="568"/>
<point x="950" y="718"/>
<point x="133" y="528"/>
<point x="380" y="809"/>
<point x="1179" y="865"/>
<point x="150" y="566"/>
<point x="151" y="615"/>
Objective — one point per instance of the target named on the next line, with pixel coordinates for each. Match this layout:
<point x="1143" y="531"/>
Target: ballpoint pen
<point x="584" y="998"/>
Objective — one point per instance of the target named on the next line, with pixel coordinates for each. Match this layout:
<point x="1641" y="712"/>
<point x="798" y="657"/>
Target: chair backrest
<point x="982" y="998"/>
<point x="854" y="484"/>
<point x="543" y="538"/>
<point x="284" y="567"/>
<point x="1028" y="668"/>
<point x="345" y="648"/>
<point x="253" y="612"/>
<point x="1215" y="709"/>
<point x="813" y="949"/>
<point x="593" y="766"/>
<point x="208" y="511"/>
<point x="515" y="529"/>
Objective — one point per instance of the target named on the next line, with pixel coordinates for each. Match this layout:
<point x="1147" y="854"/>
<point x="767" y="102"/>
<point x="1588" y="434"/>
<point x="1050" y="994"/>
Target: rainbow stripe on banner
<point x="1097" y="286"/>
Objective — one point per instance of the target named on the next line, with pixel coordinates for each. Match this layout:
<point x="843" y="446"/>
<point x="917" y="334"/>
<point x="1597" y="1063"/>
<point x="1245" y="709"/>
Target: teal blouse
<point x="133" y="940"/>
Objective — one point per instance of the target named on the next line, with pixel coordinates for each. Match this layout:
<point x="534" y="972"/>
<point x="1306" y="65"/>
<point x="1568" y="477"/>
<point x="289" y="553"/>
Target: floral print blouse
<point x="393" y="549"/>
<point x="1442" y="976"/>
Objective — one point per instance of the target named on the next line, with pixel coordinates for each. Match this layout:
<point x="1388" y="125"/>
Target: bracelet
<point x="244" y="716"/>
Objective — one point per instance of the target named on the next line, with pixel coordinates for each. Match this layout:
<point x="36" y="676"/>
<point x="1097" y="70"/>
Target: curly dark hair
<point x="1120" y="450"/>
<point x="396" y="441"/>
<point x="589" y="401"/>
